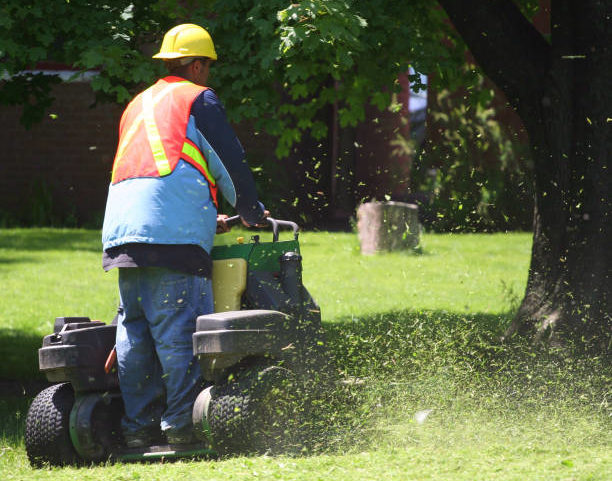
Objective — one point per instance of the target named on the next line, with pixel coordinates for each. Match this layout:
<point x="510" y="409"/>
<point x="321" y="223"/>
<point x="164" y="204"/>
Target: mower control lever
<point x="232" y="221"/>
<point x="275" y="223"/>
<point x="282" y="223"/>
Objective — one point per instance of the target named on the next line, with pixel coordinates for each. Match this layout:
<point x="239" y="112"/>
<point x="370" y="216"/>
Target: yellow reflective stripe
<point x="139" y="118"/>
<point x="196" y="155"/>
<point x="155" y="141"/>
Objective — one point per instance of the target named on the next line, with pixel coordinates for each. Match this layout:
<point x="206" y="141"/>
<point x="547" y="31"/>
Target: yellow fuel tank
<point x="229" y="278"/>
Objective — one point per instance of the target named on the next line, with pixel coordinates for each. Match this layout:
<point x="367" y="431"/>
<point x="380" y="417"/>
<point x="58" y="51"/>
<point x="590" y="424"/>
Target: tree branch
<point x="504" y="43"/>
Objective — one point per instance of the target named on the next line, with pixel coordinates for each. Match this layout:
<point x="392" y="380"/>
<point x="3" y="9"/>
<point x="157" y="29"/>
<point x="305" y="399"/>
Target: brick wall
<point x="60" y="168"/>
<point x="69" y="155"/>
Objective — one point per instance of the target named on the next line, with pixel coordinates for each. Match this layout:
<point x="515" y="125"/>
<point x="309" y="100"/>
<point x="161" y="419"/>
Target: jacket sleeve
<point x="227" y="163"/>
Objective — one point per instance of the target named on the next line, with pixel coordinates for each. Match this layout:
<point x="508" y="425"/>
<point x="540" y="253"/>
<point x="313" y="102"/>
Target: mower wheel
<point x="253" y="411"/>
<point x="47" y="431"/>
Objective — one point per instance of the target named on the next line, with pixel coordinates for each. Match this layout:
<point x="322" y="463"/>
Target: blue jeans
<point x="158" y="374"/>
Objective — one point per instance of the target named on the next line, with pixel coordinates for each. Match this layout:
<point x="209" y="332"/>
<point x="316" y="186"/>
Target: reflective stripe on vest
<point x="125" y="139"/>
<point x="155" y="141"/>
<point x="193" y="155"/>
<point x="152" y="148"/>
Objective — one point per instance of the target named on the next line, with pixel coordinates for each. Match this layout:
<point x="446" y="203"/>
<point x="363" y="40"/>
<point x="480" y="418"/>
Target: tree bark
<point x="561" y="90"/>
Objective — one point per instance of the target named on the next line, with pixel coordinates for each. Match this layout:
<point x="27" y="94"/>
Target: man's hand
<point x="222" y="226"/>
<point x="266" y="214"/>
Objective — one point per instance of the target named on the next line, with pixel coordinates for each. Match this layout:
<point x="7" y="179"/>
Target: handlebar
<point x="232" y="221"/>
<point x="275" y="223"/>
<point x="282" y="223"/>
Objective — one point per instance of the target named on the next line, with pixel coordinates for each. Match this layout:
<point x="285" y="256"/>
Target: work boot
<point x="134" y="441"/>
<point x="185" y="436"/>
<point x="143" y="439"/>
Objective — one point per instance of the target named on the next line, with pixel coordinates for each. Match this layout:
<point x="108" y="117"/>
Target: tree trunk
<point x="563" y="97"/>
<point x="569" y="285"/>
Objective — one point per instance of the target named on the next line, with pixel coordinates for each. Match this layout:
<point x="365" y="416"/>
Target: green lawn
<point x="436" y="396"/>
<point x="458" y="273"/>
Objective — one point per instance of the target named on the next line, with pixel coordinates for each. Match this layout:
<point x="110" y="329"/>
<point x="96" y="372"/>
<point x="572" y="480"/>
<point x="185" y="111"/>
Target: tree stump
<point x="387" y="226"/>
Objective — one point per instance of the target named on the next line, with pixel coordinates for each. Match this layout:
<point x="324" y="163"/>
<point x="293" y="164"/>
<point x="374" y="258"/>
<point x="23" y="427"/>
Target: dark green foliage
<point x="284" y="65"/>
<point x="32" y="92"/>
<point x="476" y="171"/>
<point x="108" y="38"/>
<point x="279" y="64"/>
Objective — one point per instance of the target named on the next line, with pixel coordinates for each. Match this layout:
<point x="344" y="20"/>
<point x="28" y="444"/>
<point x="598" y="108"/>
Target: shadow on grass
<point x="446" y="337"/>
<point x="50" y="239"/>
<point x="395" y="362"/>
<point x="412" y="339"/>
<point x="359" y="344"/>
<point x="16" y="260"/>
<point x="19" y="355"/>
<point x="372" y="346"/>
<point x="466" y="352"/>
<point x="398" y="359"/>
<point x="13" y="411"/>
<point x="20" y="381"/>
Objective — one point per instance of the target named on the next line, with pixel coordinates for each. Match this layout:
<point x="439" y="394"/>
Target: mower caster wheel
<point x="47" y="431"/>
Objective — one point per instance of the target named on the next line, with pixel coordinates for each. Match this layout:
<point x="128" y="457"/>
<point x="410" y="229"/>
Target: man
<point x="176" y="151"/>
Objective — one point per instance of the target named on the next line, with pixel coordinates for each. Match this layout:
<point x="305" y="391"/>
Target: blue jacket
<point x="178" y="208"/>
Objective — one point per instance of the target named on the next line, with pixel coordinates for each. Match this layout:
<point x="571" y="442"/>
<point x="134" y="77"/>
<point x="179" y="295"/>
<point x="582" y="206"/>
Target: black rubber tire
<point x="253" y="412"/>
<point x="47" y="431"/>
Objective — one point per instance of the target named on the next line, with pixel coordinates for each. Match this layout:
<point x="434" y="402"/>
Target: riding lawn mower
<point x="259" y="353"/>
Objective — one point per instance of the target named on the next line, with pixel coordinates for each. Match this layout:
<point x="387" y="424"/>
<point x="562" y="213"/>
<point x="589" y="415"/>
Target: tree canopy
<point x="280" y="64"/>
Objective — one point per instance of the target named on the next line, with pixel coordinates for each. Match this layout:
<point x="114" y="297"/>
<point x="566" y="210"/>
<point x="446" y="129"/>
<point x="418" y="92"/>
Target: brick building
<point x="57" y="172"/>
<point x="58" y="169"/>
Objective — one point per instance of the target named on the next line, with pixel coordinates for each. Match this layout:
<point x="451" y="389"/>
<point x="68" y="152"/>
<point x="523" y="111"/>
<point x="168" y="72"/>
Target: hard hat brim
<point x="172" y="56"/>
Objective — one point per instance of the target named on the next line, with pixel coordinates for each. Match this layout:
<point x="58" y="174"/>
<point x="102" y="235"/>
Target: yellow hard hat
<point x="187" y="40"/>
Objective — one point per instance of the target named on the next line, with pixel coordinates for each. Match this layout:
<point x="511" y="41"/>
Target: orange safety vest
<point x="152" y="133"/>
